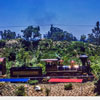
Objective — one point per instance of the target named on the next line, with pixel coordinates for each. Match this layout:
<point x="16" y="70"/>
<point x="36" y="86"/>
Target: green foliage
<point x="20" y="91"/>
<point x="29" y="53"/>
<point x="47" y="49"/>
<point x="68" y="86"/>
<point x="97" y="87"/>
<point x="2" y="84"/>
<point x="47" y="91"/>
<point x="2" y="43"/>
<point x="12" y="56"/>
<point x="23" y="58"/>
<point x="9" y="64"/>
<point x="7" y="34"/>
<point x="31" y="32"/>
<point x="95" y="65"/>
<point x="33" y="82"/>
<point x="58" y="34"/>
<point x="94" y="37"/>
<point x="28" y="32"/>
<point x="42" y="65"/>
<point x="83" y="38"/>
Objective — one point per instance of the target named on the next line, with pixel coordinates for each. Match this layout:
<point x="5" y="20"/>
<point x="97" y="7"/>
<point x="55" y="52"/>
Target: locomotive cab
<point x="51" y="64"/>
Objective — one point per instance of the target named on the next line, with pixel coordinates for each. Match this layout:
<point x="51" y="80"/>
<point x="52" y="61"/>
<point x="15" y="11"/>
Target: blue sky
<point x="46" y="12"/>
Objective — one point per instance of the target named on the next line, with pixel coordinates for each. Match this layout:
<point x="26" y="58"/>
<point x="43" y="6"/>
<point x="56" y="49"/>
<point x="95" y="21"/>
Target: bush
<point x="33" y="82"/>
<point x="12" y="56"/>
<point x="2" y="43"/>
<point x="68" y="86"/>
<point x="20" y="91"/>
<point x="47" y="92"/>
<point x="2" y="84"/>
<point x="42" y="66"/>
<point x="97" y="87"/>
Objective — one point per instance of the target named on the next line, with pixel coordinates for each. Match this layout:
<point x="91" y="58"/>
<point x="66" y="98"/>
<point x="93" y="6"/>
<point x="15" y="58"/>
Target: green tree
<point x="31" y="32"/>
<point x="28" y="32"/>
<point x="69" y="36"/>
<point x="22" y="58"/>
<point x="58" y="34"/>
<point x="25" y="58"/>
<point x="18" y="36"/>
<point x="83" y="38"/>
<point x="94" y="37"/>
<point x="7" y="34"/>
<point x="36" y="32"/>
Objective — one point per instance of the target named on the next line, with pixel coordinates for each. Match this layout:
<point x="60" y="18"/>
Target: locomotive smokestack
<point x="83" y="59"/>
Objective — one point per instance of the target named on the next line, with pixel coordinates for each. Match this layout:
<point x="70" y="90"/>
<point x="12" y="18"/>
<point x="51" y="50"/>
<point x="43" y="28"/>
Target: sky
<point x="75" y="16"/>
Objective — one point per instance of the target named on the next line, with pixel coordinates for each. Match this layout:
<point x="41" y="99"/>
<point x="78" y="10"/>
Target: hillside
<point x="19" y="52"/>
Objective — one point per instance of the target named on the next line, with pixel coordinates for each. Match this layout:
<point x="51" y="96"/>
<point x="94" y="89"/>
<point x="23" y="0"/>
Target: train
<point x="54" y="68"/>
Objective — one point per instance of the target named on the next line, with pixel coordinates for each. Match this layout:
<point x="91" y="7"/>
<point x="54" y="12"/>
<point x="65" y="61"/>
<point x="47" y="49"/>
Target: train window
<point x="48" y="64"/>
<point x="54" y="64"/>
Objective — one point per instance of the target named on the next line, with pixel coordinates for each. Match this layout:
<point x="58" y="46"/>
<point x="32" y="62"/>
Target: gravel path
<point x="84" y="89"/>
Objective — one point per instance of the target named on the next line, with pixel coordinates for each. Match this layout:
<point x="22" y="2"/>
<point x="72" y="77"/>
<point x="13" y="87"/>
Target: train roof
<point x="25" y="68"/>
<point x="49" y="60"/>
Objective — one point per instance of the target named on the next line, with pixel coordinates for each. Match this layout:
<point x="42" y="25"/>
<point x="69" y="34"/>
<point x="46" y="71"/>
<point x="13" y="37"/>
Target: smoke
<point x="39" y="14"/>
<point x="46" y="19"/>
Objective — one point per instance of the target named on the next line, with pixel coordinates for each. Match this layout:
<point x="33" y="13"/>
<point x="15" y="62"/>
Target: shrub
<point x="20" y="91"/>
<point x="32" y="82"/>
<point x="42" y="66"/>
<point x="45" y="80"/>
<point x="97" y="87"/>
<point x="47" y="91"/>
<point x="2" y="43"/>
<point x="2" y="84"/>
<point x="68" y="86"/>
<point x="12" y="56"/>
